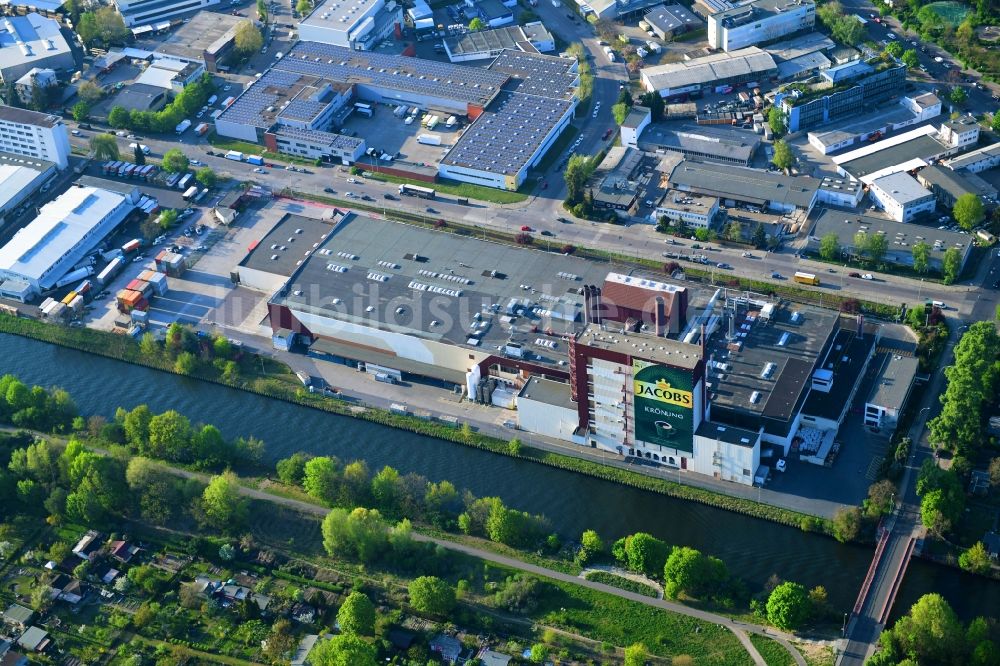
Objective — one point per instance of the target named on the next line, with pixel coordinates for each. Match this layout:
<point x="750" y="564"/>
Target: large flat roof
<point x="557" y="394"/>
<point x="799" y="46"/>
<point x="58" y="227"/>
<point x="902" y="235"/>
<point x="709" y="140"/>
<point x="754" y="185"/>
<point x="487" y="42"/>
<point x="845" y="360"/>
<point x="715" y="67"/>
<point x="438" y="279"/>
<point x="670" y="18"/>
<point x="962" y="161"/>
<point x="902" y="187"/>
<point x="756" y="10"/>
<point x="281" y="250"/>
<point x="14" y="179"/>
<point x="956" y="183"/>
<point x="900" y="149"/>
<point x="339" y="14"/>
<point x="769" y="362"/>
<point x="505" y="136"/>
<point x="727" y="433"/>
<point x="893" y="381"/>
<point x="25" y="117"/>
<point x="28" y="39"/>
<point x="832" y="133"/>
<point x="537" y="74"/>
<point x="190" y="40"/>
<point x="611" y="337"/>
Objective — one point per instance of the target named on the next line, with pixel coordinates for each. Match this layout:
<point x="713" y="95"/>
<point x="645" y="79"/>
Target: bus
<point x="806" y="278"/>
<point x="417" y="191"/>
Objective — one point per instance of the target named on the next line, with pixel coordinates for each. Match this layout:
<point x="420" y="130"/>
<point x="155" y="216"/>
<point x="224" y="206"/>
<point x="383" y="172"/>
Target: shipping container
<point x="144" y="275"/>
<point x="139" y="316"/>
<point x="76" y="305"/>
<point x="132" y="246"/>
<point x="68" y="298"/>
<point x="226" y="103"/>
<point x="185" y="181"/>
<point x="429" y="139"/>
<point x="127" y="300"/>
<point x="58" y="311"/>
<point x="190" y="193"/>
<point x="84" y="287"/>
<point x="159" y="282"/>
<point x="201" y="129"/>
<point x="75" y="276"/>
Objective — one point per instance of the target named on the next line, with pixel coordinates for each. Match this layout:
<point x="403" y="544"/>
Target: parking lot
<point x="392" y="135"/>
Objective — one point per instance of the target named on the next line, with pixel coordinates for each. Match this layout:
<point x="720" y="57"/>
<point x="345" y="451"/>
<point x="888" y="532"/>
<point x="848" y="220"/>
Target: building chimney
<point x="598" y="306"/>
<point x="660" y="316"/>
<point x="587" y="304"/>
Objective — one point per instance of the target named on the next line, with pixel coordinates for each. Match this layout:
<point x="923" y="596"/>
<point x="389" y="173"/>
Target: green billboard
<point x="664" y="406"/>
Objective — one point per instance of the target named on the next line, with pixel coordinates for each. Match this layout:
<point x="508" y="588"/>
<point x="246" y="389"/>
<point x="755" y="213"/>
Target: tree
<point x="635" y="655"/>
<point x="139" y="157"/>
<point x="931" y="632"/>
<point x="995" y="121"/>
<point x="788" y="606"/>
<point x="224" y="506"/>
<point x="291" y="470"/>
<point x="975" y="559"/>
<point x="921" y="256"/>
<point x="829" y="246"/>
<point x="620" y="112"/>
<point x="102" y="27"/>
<point x="344" y="650"/>
<point x="576" y="173"/>
<point x="759" y="237"/>
<point x="357" y="615"/>
<point x="80" y="111"/>
<point x="645" y="553"/>
<point x="320" y="477"/>
<point x="688" y="570"/>
<point x="776" y="121"/>
<point x="968" y="211"/>
<point x="894" y="49"/>
<point x="951" y="265"/>
<point x="206" y="177"/>
<point x="783" y="157"/>
<point x="734" y="231"/>
<point x="104" y="147"/>
<point x="248" y="39"/>
<point x="431" y="595"/>
<point x="539" y="653"/>
<point x="847" y="524"/>
<point x="169" y="436"/>
<point x="175" y="161"/>
<point x="911" y="59"/>
<point x="476" y="24"/>
<point x="303" y="7"/>
<point x="958" y="95"/>
<point x="387" y="490"/>
<point x="118" y="117"/>
<point x="514" y="447"/>
<point x="361" y="533"/>
<point x="89" y="92"/>
<point x="591" y="546"/>
<point x="878" y="245"/>
<point x="995" y="472"/>
<point x="881" y="497"/>
<point x="262" y="10"/>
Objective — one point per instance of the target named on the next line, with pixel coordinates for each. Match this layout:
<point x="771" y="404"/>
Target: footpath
<point x="739" y="629"/>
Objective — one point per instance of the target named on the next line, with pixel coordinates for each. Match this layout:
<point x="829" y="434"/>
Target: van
<point x="939" y="304"/>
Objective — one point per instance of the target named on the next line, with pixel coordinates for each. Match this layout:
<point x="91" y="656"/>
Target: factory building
<point x="889" y="392"/>
<point x="32" y="42"/>
<point x="20" y="178"/>
<point x="484" y="44"/>
<point x="58" y="239"/>
<point x="669" y="21"/>
<point x="901" y="196"/>
<point x="32" y="134"/>
<point x="359" y="24"/>
<point x="207" y="39"/>
<point x="976" y="161"/>
<point x="744" y="67"/>
<point x="622" y="362"/>
<point x="742" y="186"/>
<point x="759" y="21"/>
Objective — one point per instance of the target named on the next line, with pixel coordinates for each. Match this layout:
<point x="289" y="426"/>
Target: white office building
<point x="759" y="21"/>
<point x="29" y="42"/>
<point x="962" y="132"/>
<point x="901" y="196"/>
<point x="40" y="135"/>
<point x="357" y="24"/>
<point x="148" y="12"/>
<point x="58" y="239"/>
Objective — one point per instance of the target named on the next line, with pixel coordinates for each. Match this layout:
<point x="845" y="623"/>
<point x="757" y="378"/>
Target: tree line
<point x="184" y="105"/>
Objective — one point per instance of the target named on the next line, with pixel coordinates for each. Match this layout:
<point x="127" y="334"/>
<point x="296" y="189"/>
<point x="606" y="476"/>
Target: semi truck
<point x="429" y="139"/>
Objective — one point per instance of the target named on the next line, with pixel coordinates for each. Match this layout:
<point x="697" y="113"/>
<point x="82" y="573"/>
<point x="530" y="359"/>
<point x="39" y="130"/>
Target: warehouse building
<point x="612" y="184"/>
<point x="206" y="39"/>
<point x="741" y="186"/>
<point x="887" y="396"/>
<point x="976" y="161"/>
<point x="873" y="126"/>
<point x="316" y="145"/>
<point x="20" y="178"/>
<point x="64" y="232"/>
<point x="759" y="21"/>
<point x="901" y="196"/>
<point x="744" y="67"/>
<point x="484" y="44"/>
<point x="820" y="107"/>
<point x="358" y="25"/>
<point x="39" y="135"/>
<point x="614" y="9"/>
<point x="908" y="151"/>
<point x="29" y="42"/>
<point x="706" y="143"/>
<point x="170" y="74"/>
<point x="947" y="185"/>
<point x="902" y="237"/>
<point x="149" y="12"/>
<point x="668" y="21"/>
<point x="141" y="97"/>
<point x="692" y="210"/>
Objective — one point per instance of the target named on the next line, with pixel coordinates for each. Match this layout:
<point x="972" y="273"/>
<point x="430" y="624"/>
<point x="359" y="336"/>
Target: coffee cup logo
<point x="664" y="429"/>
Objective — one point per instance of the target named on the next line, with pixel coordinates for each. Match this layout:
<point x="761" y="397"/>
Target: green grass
<point x="621" y="583"/>
<point x="773" y="652"/>
<point x="692" y="36"/>
<point x="950" y="12"/>
<point x="467" y="190"/>
<point x="605" y="617"/>
<point x="222" y="143"/>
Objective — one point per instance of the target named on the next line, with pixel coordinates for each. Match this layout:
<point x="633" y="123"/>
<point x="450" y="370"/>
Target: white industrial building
<point x="33" y="134"/>
<point x="749" y="66"/>
<point x="759" y="21"/>
<point x="961" y="132"/>
<point x="484" y="44"/>
<point x="20" y="178"/>
<point x="890" y="391"/>
<point x="901" y="196"/>
<point x="31" y="41"/>
<point x="976" y="161"/>
<point x="148" y="12"/>
<point x="354" y="24"/>
<point x="693" y="210"/>
<point x="170" y="74"/>
<point x="58" y="239"/>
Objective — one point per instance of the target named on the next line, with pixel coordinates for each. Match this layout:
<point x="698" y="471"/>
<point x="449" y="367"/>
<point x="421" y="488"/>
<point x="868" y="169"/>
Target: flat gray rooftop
<point x="751" y="185"/>
<point x="719" y="142"/>
<point x="841" y="131"/>
<point x="774" y="361"/>
<point x="537" y="74"/>
<point x="610" y="336"/>
<point x="282" y="250"/>
<point x="486" y="42"/>
<point x="190" y="40"/>
<point x="673" y="18"/>
<point x="727" y="433"/>
<point x="800" y="46"/>
<point x="921" y="147"/>
<point x="892" y="384"/>
<point x="902" y="235"/>
<point x="433" y="285"/>
<point x="715" y="67"/>
<point x="557" y="394"/>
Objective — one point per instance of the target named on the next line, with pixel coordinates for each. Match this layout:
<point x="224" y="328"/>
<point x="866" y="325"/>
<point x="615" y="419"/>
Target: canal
<point x="753" y="549"/>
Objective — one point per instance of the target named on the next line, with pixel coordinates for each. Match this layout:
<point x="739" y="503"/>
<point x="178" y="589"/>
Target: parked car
<point x="525" y="227"/>
<point x="855" y="274"/>
<point x="867" y="276"/>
